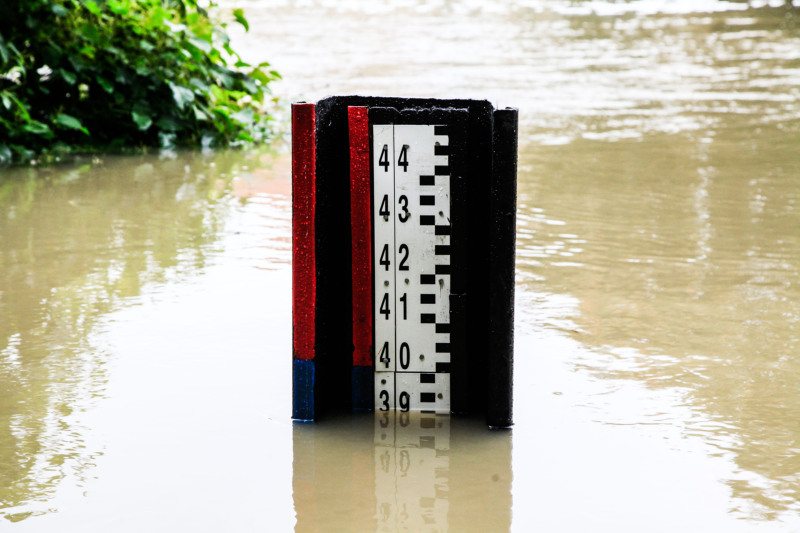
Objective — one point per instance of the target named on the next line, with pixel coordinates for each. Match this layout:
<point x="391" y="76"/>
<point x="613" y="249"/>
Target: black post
<point x="501" y="279"/>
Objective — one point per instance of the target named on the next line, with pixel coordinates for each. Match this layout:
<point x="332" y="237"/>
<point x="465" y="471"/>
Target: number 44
<point x="402" y="161"/>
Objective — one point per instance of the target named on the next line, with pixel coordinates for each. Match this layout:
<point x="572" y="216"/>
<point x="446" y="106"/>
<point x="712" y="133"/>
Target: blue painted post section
<point x="363" y="388"/>
<point x="303" y="390"/>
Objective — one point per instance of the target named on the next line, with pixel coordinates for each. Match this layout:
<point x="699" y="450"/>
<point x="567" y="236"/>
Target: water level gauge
<point x="404" y="213"/>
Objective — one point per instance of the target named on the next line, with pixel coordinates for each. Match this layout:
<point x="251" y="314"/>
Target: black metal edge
<point x="334" y="305"/>
<point x="503" y="204"/>
<point x="476" y="295"/>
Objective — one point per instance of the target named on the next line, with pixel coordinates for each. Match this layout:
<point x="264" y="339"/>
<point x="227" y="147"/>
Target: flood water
<point x="145" y="302"/>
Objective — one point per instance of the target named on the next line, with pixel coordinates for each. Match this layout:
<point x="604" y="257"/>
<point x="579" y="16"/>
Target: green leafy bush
<point x="90" y="75"/>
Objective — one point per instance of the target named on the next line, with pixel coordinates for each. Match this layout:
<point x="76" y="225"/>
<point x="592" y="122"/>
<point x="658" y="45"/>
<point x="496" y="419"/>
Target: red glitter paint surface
<point x="361" y="235"/>
<point x="304" y="284"/>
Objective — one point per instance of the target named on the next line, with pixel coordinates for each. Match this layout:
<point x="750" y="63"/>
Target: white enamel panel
<point x="423" y="391"/>
<point x="384" y="391"/>
<point x="383" y="231"/>
<point x="412" y="283"/>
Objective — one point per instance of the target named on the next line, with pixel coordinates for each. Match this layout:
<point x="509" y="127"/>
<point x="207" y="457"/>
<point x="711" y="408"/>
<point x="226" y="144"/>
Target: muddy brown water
<point x="145" y="301"/>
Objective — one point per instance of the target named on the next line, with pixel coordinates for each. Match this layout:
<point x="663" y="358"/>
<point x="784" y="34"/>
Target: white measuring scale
<point x="411" y="265"/>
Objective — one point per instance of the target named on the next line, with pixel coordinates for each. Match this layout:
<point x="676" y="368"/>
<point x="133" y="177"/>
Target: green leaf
<point x="199" y="85"/>
<point x="4" y="53"/>
<point x="167" y="140"/>
<point x="238" y="14"/>
<point x="199" y="114"/>
<point x="207" y="140"/>
<point x="38" y="128"/>
<point x="169" y="124"/>
<point x="222" y="111"/>
<point x="59" y="10"/>
<point x="5" y="154"/>
<point x="244" y="136"/>
<point x="218" y="93"/>
<point x="226" y="80"/>
<point x="68" y="76"/>
<point x="23" y="153"/>
<point x="176" y="28"/>
<point x="92" y="7"/>
<point x="205" y="46"/>
<point x="245" y="116"/>
<point x="105" y="84"/>
<point x="181" y="95"/>
<point x="86" y="50"/>
<point x="228" y="48"/>
<point x="250" y="85"/>
<point x="143" y="122"/>
<point x="117" y="7"/>
<point x="260" y="75"/>
<point x="122" y="77"/>
<point x="70" y="122"/>
<point x="10" y="99"/>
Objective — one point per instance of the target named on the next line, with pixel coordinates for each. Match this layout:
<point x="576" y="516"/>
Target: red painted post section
<point x="304" y="284"/>
<point x="360" y="220"/>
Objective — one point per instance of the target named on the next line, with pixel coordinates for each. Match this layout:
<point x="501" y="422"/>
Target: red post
<point x="304" y="283"/>
<point x="303" y="210"/>
<point x="360" y="221"/>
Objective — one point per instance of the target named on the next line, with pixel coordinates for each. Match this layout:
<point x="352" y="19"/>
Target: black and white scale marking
<point x="411" y="225"/>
